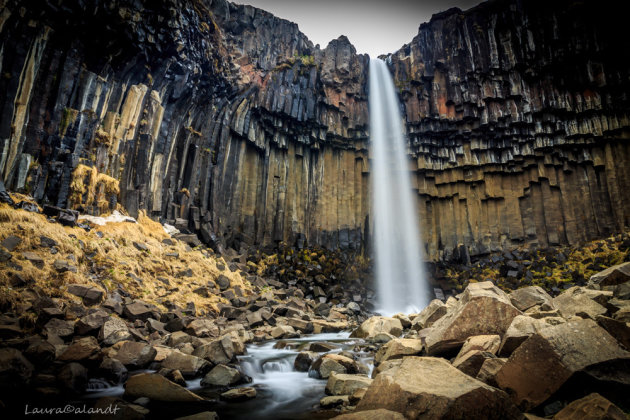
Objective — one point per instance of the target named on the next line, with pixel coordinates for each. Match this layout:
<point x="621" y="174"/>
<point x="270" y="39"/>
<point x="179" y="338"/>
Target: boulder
<point x="321" y="347"/>
<point x="254" y="319"/>
<point x="223" y="282"/>
<point x="528" y="297"/>
<point x="113" y="331"/>
<point x="35" y="259"/>
<point x="15" y="369"/>
<point x="82" y="349"/>
<point x="73" y="377"/>
<point x="178" y="337"/>
<point x="489" y="343"/>
<point x="520" y="329"/>
<point x="113" y="371"/>
<point x="618" y="329"/>
<point x="304" y="360"/>
<point x="329" y="363"/>
<point x="239" y="394"/>
<point x="343" y="384"/>
<point x="470" y="362"/>
<point x="139" y="310"/>
<point x="219" y="351"/>
<point x="434" y="311"/>
<point x="11" y="242"/>
<point x="489" y="369"/>
<point x="135" y="355"/>
<point x="379" y="414"/>
<point x="301" y="325"/>
<point x="283" y="331"/>
<point x="612" y="276"/>
<point x="483" y="309"/>
<point x="157" y="387"/>
<point x="91" y="295"/>
<point x="202" y="327"/>
<point x="59" y="328"/>
<point x="577" y="353"/>
<point x="397" y="349"/>
<point x="591" y="407"/>
<point x="189" y="365"/>
<point x="418" y="389"/>
<point x="376" y="325"/>
<point x="92" y="323"/>
<point x="622" y="291"/>
<point x="579" y="301"/>
<point x="221" y="376"/>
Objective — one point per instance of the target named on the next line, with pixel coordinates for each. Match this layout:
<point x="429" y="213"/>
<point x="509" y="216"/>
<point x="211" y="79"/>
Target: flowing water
<point x="282" y="392"/>
<point x="401" y="282"/>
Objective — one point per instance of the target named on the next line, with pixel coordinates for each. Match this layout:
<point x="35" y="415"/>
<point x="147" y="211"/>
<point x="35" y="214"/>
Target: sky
<point x="374" y="27"/>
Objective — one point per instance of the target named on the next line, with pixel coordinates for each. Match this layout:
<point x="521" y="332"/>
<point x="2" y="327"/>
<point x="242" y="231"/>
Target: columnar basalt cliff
<point x="227" y="121"/>
<point x="222" y="118"/>
<point x="517" y="116"/>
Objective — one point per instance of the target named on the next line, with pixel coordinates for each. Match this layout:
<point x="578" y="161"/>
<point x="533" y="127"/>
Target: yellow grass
<point x="114" y="256"/>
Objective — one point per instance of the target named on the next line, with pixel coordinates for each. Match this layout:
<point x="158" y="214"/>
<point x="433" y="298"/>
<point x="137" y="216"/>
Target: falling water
<point x="401" y="282"/>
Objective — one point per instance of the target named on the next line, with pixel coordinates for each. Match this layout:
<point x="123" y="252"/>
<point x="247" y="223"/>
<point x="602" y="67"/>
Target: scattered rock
<point x="157" y="387"/>
<point x="91" y="323"/>
<point x="329" y="363"/>
<point x="283" y="331"/>
<point x="59" y="328"/>
<point x="113" y="331"/>
<point x="91" y="295"/>
<point x="397" y="349"/>
<point x="489" y="369"/>
<point x="82" y="349"/>
<point x="141" y="246"/>
<point x="434" y="311"/>
<point x="223" y="282"/>
<point x="35" y="259"/>
<point x="305" y="360"/>
<point x="202" y="328"/>
<point x="612" y="276"/>
<point x="552" y="356"/>
<point x="190" y="366"/>
<point x="530" y="296"/>
<point x="11" y="242"/>
<point x="417" y="388"/>
<point x="578" y="301"/>
<point x="113" y="371"/>
<point x="139" y="310"/>
<point x="135" y="355"/>
<point x="470" y="362"/>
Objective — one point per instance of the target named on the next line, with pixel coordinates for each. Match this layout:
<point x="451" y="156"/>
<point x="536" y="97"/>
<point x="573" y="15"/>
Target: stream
<point x="282" y="392"/>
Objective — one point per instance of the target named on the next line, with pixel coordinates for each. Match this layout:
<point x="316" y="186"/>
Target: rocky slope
<point x="517" y="117"/>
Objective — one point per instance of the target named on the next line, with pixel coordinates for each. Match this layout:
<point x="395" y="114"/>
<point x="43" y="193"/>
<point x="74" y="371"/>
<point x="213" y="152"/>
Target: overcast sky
<point x="373" y="26"/>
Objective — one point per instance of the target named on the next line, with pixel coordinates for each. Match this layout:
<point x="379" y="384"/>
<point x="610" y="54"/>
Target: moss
<point x="103" y="138"/>
<point x="91" y="188"/>
<point x="193" y="131"/>
<point x="68" y="117"/>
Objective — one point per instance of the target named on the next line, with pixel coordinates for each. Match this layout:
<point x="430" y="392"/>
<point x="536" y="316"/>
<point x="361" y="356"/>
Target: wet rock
<point x="83" y="349"/>
<point x="190" y="366"/>
<point x="527" y="297"/>
<point x="221" y="376"/>
<point x="376" y="325"/>
<point x="483" y="309"/>
<point x="612" y="276"/>
<point x="239" y="394"/>
<point x="73" y="377"/>
<point x="557" y="356"/>
<point x="304" y="360"/>
<point x="329" y="363"/>
<point x="91" y="295"/>
<point x="417" y="387"/>
<point x="15" y="369"/>
<point x="592" y="407"/>
<point x="397" y="349"/>
<point x="343" y="384"/>
<point x="135" y="355"/>
<point x="113" y="371"/>
<point x="157" y="387"/>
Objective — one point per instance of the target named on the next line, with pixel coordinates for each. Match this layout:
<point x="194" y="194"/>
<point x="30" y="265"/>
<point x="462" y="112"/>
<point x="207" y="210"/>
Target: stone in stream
<point x="113" y="371"/>
<point x="418" y="389"/>
<point x="221" y="376"/>
<point x="190" y="366"/>
<point x="73" y="377"/>
<point x="239" y="394"/>
<point x="329" y="363"/>
<point x="483" y="309"/>
<point x="376" y="325"/>
<point x="304" y="360"/>
<point x="576" y="355"/>
<point x="334" y="401"/>
<point x="157" y="387"/>
<point x="283" y="331"/>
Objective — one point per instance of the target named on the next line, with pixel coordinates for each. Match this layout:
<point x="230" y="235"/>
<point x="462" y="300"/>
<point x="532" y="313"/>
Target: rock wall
<point x="517" y="117"/>
<point x="220" y="118"/>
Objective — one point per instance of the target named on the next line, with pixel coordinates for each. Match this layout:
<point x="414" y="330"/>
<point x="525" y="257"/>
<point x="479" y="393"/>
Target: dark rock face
<point x="228" y="123"/>
<point x="222" y="116"/>
<point x="515" y="114"/>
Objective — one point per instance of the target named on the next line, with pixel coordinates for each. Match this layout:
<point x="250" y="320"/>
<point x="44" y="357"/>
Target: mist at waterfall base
<point x="401" y="281"/>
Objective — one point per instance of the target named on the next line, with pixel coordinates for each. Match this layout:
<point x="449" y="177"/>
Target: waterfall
<point x="401" y="282"/>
